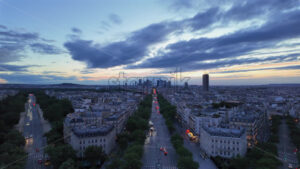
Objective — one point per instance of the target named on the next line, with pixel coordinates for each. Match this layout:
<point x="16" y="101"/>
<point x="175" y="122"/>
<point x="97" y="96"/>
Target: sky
<point x="237" y="42"/>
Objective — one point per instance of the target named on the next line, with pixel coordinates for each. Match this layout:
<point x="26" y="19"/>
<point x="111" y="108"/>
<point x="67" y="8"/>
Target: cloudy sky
<point x="237" y="42"/>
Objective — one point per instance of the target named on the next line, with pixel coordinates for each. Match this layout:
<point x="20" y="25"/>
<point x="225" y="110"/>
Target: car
<point x="290" y="165"/>
<point x="165" y="153"/>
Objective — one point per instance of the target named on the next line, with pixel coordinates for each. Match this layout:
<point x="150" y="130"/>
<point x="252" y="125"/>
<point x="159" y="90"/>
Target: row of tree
<point x="262" y="156"/>
<point x="276" y="121"/>
<point x="185" y="156"/>
<point x="131" y="140"/>
<point x="12" y="154"/>
<point x="61" y="155"/>
<point x="294" y="133"/>
<point x="168" y="111"/>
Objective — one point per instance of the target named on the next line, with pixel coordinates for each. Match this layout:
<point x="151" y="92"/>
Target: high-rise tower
<point x="205" y="82"/>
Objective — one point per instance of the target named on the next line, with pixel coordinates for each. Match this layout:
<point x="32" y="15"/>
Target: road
<point x="286" y="147"/>
<point x="33" y="133"/>
<point x="194" y="148"/>
<point x="153" y="157"/>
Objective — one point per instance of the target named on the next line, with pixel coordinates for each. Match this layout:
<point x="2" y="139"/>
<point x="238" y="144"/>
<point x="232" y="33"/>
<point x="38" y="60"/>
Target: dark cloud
<point x="115" y="19"/>
<point x="235" y="62"/>
<point x="293" y="67"/>
<point x="13" y="68"/>
<point x="119" y="53"/>
<point x="76" y="30"/>
<point x="44" y="48"/>
<point x="203" y="19"/>
<point x="10" y="36"/>
<point x="186" y="53"/>
<point x="280" y="26"/>
<point x="2" y="27"/>
<point x="14" y="43"/>
<point x="36" y="79"/>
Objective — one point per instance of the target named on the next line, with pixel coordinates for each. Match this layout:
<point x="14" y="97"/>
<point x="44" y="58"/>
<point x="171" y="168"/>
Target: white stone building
<point x="223" y="142"/>
<point x="103" y="136"/>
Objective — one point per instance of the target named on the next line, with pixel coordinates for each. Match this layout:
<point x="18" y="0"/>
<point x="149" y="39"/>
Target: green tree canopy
<point x="94" y="154"/>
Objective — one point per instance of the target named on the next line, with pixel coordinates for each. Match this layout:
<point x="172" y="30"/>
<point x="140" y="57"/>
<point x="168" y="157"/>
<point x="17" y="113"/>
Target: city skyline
<point x="235" y="42"/>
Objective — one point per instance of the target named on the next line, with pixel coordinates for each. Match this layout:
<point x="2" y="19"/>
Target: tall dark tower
<point x="205" y="82"/>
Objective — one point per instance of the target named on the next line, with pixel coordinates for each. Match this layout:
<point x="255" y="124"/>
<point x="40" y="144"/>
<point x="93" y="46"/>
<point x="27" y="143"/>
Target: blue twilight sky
<point x="91" y="41"/>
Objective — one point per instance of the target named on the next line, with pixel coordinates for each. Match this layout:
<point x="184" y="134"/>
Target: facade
<point x="205" y="82"/>
<point x="223" y="142"/>
<point x="254" y="124"/>
<point x="117" y="120"/>
<point x="103" y="136"/>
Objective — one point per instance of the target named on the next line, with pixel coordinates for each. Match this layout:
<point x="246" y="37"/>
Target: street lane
<point x="33" y="133"/>
<point x="286" y="147"/>
<point x="153" y="157"/>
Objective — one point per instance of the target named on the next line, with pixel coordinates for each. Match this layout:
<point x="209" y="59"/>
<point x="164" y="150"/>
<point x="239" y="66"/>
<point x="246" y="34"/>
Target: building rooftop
<point x="92" y="131"/>
<point x="224" y="132"/>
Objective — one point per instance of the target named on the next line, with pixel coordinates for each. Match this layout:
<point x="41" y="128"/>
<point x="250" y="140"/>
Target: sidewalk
<point x="195" y="150"/>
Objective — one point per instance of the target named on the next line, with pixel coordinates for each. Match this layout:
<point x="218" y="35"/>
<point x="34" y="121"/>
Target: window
<point x="79" y="142"/>
<point x="96" y="141"/>
<point x="233" y="142"/>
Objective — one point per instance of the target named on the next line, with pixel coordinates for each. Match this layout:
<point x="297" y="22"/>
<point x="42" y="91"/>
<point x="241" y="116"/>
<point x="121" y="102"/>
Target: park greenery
<point x="261" y="156"/>
<point x="12" y="154"/>
<point x="131" y="140"/>
<point x="294" y="133"/>
<point x="185" y="156"/>
<point x="185" y="159"/>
